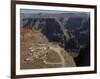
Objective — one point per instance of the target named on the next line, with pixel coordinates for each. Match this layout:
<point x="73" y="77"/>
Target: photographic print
<point x="53" y="38"/>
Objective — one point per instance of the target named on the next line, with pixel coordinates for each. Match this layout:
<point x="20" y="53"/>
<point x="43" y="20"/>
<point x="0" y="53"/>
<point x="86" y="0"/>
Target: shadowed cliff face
<point x="52" y="31"/>
<point x="70" y="31"/>
<point x="80" y="28"/>
<point x="84" y="58"/>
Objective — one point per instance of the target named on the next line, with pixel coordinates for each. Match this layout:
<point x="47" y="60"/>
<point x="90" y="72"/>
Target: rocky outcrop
<point x="38" y="52"/>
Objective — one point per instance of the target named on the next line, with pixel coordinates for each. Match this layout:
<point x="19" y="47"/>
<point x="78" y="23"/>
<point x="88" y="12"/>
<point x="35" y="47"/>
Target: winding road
<point x="58" y="51"/>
